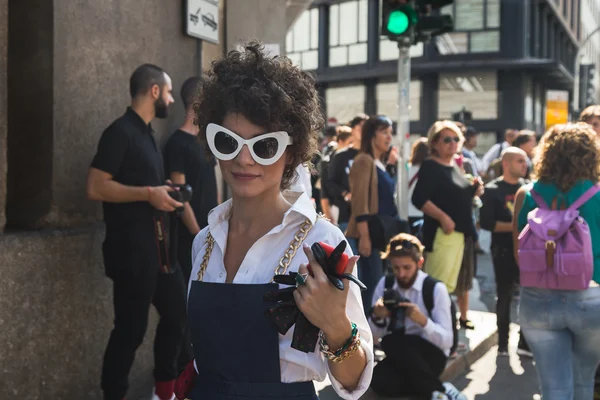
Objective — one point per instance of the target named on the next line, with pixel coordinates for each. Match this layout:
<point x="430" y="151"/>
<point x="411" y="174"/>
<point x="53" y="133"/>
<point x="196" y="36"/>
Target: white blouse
<point x="259" y="267"/>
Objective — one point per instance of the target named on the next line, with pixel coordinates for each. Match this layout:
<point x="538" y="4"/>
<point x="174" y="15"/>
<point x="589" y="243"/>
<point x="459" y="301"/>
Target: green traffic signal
<point x="398" y="22"/>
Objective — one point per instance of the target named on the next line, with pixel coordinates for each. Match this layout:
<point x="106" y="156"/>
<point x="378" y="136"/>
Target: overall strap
<point x="585" y="197"/>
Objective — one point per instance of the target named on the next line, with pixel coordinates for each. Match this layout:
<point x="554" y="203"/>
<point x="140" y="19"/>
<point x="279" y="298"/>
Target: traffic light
<point x="587" y="86"/>
<point x="463" y="116"/>
<point x="435" y="4"/>
<point x="398" y="19"/>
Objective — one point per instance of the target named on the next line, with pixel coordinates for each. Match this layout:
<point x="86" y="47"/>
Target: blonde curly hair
<point x="567" y="154"/>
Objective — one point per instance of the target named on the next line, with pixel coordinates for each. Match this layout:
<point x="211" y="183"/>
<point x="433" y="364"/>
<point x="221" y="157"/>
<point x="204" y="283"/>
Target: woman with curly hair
<point x="260" y="118"/>
<point x="562" y="327"/>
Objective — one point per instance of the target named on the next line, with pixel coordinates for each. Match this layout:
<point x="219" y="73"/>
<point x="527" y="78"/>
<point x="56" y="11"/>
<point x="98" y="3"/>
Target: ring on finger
<point x="301" y="279"/>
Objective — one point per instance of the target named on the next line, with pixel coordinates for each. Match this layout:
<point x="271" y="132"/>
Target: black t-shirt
<point x="327" y="155"/>
<point x="185" y="154"/>
<point x="338" y="182"/>
<point x="127" y="150"/>
<point x="498" y="206"/>
<point x="447" y="188"/>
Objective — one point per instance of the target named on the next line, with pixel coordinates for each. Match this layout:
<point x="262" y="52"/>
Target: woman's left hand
<point x="321" y="303"/>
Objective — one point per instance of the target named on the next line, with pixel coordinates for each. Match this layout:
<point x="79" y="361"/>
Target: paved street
<point x="489" y="378"/>
<point x="493" y="378"/>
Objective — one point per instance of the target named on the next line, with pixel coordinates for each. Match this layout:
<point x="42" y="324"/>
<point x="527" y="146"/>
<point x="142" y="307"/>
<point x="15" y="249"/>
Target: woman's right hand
<point x="364" y="246"/>
<point x="447" y="225"/>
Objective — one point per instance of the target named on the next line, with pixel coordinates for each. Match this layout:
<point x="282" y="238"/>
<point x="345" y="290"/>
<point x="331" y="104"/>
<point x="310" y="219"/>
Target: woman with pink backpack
<point x="557" y="233"/>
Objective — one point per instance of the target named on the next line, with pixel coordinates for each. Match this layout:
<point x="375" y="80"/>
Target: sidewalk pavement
<point x="478" y="341"/>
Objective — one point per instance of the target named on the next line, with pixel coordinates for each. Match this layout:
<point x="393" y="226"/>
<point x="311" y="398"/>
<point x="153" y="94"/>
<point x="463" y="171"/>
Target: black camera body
<point x="391" y="299"/>
<point x="183" y="195"/>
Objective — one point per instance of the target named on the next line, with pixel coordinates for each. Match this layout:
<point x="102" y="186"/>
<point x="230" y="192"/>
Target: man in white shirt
<point x="468" y="150"/>
<point x="496" y="150"/>
<point x="412" y="316"/>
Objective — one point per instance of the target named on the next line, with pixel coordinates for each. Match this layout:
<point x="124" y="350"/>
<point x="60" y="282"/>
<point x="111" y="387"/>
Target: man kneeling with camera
<point x="412" y="314"/>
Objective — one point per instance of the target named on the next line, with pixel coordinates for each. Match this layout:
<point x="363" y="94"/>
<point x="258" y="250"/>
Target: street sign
<point x="557" y="107"/>
<point x="202" y="20"/>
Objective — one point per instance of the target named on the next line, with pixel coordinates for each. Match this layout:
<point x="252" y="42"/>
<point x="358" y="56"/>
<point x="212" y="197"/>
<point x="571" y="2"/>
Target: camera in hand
<point x="182" y="193"/>
<point x="391" y="299"/>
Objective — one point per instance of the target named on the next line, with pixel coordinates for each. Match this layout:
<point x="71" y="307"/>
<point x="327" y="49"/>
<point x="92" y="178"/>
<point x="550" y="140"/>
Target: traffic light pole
<point x="403" y="128"/>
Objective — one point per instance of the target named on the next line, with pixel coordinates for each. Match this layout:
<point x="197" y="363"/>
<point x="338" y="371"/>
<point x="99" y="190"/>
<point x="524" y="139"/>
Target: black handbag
<point x="382" y="228"/>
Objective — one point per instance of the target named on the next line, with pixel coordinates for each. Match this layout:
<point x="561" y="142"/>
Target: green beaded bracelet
<point x="325" y="347"/>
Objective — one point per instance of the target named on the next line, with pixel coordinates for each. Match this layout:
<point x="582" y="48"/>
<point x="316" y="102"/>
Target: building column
<point x="264" y="20"/>
<point x="511" y="86"/>
<point x="3" y="107"/>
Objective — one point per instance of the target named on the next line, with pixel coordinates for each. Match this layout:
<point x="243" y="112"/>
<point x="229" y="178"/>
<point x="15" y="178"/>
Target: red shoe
<point x="185" y="383"/>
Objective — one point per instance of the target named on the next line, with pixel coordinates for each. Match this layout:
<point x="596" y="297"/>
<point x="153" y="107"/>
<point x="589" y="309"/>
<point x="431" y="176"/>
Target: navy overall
<point x="235" y="347"/>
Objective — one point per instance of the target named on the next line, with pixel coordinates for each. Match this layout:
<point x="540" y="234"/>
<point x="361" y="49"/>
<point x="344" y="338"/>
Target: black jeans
<point x="506" y="271"/>
<point x="131" y="261"/>
<point x="411" y="367"/>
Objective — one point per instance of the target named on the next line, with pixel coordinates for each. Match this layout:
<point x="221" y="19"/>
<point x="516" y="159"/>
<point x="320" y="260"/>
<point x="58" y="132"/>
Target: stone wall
<point x="56" y="317"/>
<point x="97" y="45"/>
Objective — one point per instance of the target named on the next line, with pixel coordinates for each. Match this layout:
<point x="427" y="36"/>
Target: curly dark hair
<point x="269" y="92"/>
<point x="568" y="153"/>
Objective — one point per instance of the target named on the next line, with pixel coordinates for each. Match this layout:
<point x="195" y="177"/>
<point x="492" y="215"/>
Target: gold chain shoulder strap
<point x="284" y="262"/>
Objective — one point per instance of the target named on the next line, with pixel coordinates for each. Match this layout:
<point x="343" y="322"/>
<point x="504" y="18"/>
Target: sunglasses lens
<point x="266" y="148"/>
<point x="224" y="143"/>
<point x="449" y="139"/>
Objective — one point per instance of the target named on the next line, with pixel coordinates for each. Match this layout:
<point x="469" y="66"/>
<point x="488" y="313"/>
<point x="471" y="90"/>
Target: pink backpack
<point x="555" y="247"/>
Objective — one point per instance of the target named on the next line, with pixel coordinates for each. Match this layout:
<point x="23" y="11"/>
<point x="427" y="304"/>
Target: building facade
<point x="590" y="22"/>
<point x="499" y="62"/>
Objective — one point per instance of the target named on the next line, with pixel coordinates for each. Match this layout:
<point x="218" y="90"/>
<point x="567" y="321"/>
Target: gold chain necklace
<point x="284" y="262"/>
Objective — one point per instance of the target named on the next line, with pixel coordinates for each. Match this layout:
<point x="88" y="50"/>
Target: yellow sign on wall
<point x="557" y="107"/>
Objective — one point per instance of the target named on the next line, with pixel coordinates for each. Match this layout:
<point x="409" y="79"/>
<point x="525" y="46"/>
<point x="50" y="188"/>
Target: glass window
<point x="476" y="91"/>
<point x="302" y="33"/>
<point x="343" y="103"/>
<point x="453" y="43"/>
<point x="493" y="14"/>
<point x="334" y="25"/>
<point x="349" y="27"/>
<point x="302" y="40"/>
<point x="387" y="100"/>
<point x="485" y="41"/>
<point x="348" y="31"/>
<point x="469" y="15"/>
<point x="363" y="23"/>
<point x="472" y="22"/>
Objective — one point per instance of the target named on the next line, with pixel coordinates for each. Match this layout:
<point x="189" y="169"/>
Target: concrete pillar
<point x="264" y="20"/>
<point x="3" y="106"/>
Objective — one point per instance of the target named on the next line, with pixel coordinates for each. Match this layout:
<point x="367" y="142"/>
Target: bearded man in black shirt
<point x="127" y="175"/>
<point x="496" y="215"/>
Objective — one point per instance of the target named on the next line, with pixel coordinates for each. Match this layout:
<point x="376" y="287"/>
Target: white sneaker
<point x="452" y="392"/>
